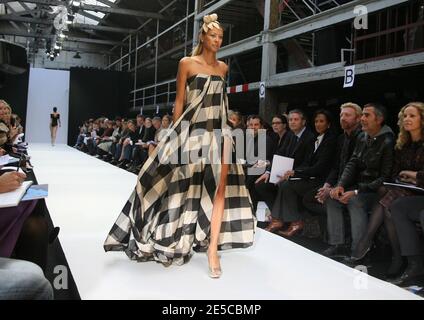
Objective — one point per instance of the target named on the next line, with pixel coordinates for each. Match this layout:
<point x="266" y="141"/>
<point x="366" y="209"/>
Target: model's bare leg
<point x="217" y="214"/>
<point x="54" y="133"/>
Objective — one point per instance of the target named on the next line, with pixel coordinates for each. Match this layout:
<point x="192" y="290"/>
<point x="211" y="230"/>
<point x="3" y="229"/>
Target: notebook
<point x="36" y="191"/>
<point x="12" y="199"/>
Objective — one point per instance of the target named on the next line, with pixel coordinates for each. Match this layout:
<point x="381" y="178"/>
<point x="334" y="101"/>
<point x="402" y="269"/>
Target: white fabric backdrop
<point x="47" y="89"/>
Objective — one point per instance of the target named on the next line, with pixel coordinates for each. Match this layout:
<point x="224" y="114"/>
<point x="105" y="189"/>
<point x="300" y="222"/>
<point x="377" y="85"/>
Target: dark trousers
<point x="358" y="208"/>
<point x="139" y="155"/>
<point x="266" y="192"/>
<point x="406" y="212"/>
<point x="287" y="206"/>
<point x="311" y="204"/>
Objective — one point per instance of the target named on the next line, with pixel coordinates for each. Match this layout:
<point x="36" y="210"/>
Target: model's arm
<point x="181" y="85"/>
<point x="58" y="120"/>
<point x="224" y="67"/>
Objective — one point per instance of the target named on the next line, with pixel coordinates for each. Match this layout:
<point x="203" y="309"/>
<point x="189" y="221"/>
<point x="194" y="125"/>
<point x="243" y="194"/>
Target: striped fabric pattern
<point x="168" y="214"/>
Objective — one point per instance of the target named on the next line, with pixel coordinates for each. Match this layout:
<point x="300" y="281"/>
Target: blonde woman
<point x="180" y="207"/>
<point x="408" y="167"/>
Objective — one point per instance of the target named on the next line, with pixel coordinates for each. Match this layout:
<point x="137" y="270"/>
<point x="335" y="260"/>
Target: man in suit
<point x="299" y="147"/>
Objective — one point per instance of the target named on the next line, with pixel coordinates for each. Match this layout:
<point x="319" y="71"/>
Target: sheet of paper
<point x="280" y="165"/>
<point x="404" y="185"/>
<point x="4" y="160"/>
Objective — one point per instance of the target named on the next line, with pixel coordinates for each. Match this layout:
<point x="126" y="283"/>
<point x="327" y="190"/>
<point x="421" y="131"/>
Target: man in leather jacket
<point x="367" y="169"/>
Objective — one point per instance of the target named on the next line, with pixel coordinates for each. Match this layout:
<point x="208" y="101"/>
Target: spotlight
<point x="77" y="55"/>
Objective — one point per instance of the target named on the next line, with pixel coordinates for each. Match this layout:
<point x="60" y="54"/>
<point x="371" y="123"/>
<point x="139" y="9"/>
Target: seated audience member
<point x="299" y="146"/>
<point x="139" y="154"/>
<point x="83" y="130"/>
<point x="312" y="173"/>
<point x="140" y="126"/>
<point x="116" y="148"/>
<point x="8" y="130"/>
<point x="126" y="147"/>
<point x="23" y="280"/>
<point x="280" y="133"/>
<point x="160" y="132"/>
<point x="116" y="135"/>
<point x="149" y="133"/>
<point x="356" y="190"/>
<point x="104" y="139"/>
<point x="248" y="124"/>
<point x="408" y="167"/>
<point x="251" y="156"/>
<point x="90" y="140"/>
<point x="17" y="121"/>
<point x="350" y="122"/>
<point x="23" y="229"/>
<point x="141" y="151"/>
<point x="236" y="120"/>
<point x="406" y="213"/>
<point x="4" y="128"/>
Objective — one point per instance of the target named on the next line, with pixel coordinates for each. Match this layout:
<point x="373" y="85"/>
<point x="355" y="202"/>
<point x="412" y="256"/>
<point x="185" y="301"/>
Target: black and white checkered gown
<point x="169" y="212"/>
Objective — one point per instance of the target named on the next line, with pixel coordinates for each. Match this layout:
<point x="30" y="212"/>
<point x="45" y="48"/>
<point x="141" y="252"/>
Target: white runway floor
<point x="85" y="197"/>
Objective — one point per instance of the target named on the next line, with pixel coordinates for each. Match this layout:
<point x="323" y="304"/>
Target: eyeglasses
<point x="279" y="122"/>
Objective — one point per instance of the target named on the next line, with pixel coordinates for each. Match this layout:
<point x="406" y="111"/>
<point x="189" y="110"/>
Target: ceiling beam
<point x="82" y="26"/>
<point x="101" y="28"/>
<point x="70" y="46"/>
<point x="114" y="10"/>
<point x="16" y="18"/>
<point x="89" y="15"/>
<point x="108" y="3"/>
<point x="14" y="25"/>
<point x="128" y="12"/>
<point x="49" y="36"/>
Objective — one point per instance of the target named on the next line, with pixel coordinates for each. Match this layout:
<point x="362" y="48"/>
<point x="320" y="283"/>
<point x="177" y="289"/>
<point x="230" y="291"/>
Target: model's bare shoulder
<point x="223" y="67"/>
<point x="185" y="62"/>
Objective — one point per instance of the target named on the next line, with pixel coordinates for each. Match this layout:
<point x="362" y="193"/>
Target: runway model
<point x="189" y="196"/>
<point x="54" y="124"/>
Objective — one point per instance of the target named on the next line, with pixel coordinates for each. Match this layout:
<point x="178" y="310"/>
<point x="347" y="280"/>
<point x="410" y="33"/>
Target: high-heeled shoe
<point x="362" y="250"/>
<point x="214" y="272"/>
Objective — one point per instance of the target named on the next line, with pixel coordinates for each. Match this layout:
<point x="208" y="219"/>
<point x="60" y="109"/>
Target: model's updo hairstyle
<point x="209" y="22"/>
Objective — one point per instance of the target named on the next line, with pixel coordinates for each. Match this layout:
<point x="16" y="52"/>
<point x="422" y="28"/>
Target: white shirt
<point x="318" y="141"/>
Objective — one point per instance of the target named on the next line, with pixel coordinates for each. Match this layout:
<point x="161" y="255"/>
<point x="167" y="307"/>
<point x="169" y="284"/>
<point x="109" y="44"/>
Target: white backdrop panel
<point x="47" y="89"/>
